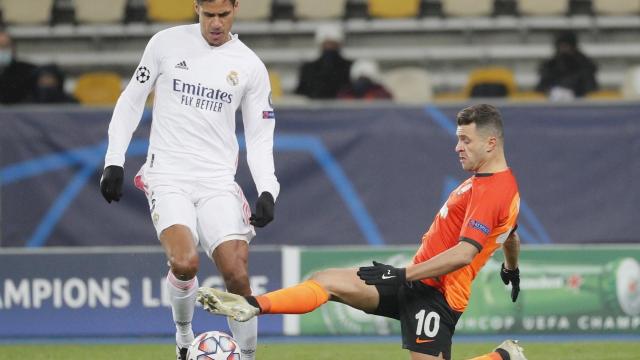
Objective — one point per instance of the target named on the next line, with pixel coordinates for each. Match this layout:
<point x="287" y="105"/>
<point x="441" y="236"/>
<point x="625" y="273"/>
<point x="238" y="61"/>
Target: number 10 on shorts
<point x="430" y="323"/>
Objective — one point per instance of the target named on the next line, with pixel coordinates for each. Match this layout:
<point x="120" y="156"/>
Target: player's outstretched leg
<point x="508" y="350"/>
<point x="298" y="299"/>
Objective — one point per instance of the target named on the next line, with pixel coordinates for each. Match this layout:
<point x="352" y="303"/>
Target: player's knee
<point x="185" y="267"/>
<point x="327" y="279"/>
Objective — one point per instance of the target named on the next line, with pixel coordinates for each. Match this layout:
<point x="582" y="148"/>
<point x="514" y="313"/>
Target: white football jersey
<point x="198" y="89"/>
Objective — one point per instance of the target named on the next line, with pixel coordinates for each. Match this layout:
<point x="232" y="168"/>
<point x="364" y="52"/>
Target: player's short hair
<point x="233" y="2"/>
<point x="486" y="117"/>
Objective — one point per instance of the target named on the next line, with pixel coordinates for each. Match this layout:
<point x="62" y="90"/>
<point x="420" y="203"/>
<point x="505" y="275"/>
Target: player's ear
<point x="492" y="141"/>
<point x="196" y="7"/>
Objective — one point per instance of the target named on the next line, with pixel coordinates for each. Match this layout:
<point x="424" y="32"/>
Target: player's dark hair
<point x="484" y="116"/>
<point x="233" y="2"/>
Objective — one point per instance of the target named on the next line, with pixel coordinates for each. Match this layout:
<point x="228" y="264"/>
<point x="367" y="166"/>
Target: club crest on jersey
<point x="233" y="78"/>
<point x="479" y="226"/>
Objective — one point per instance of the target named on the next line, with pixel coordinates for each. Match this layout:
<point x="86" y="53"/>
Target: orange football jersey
<point x="482" y="211"/>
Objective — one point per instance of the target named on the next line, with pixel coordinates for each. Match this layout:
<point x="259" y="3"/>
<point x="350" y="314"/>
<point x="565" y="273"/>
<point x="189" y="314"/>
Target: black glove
<point x="382" y="274"/>
<point x="111" y="183"/>
<point x="264" y="210"/>
<point x="513" y="277"/>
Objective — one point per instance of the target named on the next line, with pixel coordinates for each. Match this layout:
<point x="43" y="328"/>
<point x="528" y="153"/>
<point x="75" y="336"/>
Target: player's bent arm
<point x="125" y="120"/>
<point x="511" y="249"/>
<point x="130" y="105"/>
<point x="259" y="123"/>
<point x="443" y="263"/>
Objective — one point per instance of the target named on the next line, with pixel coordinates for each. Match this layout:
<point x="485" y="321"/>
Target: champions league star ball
<point x="213" y="345"/>
<point x="143" y="75"/>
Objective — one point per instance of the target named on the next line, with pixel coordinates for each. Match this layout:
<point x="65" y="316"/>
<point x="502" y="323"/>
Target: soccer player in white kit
<point x="201" y="74"/>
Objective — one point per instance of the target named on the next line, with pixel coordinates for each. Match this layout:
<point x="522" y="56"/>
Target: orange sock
<point x="490" y="356"/>
<point x="298" y="299"/>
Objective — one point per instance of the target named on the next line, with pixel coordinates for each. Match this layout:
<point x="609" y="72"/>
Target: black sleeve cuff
<point x="472" y="242"/>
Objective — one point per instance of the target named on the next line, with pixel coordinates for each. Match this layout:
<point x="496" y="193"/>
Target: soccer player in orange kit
<point x="429" y="295"/>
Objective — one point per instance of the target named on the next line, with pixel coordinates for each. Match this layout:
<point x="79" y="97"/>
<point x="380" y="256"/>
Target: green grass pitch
<point x="360" y="351"/>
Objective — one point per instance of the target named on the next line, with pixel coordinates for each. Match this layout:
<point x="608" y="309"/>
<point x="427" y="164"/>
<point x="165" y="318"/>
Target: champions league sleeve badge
<point x="143" y="74"/>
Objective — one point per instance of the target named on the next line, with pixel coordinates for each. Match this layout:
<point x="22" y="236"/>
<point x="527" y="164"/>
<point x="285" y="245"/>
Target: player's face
<point x="471" y="147"/>
<point x="216" y="18"/>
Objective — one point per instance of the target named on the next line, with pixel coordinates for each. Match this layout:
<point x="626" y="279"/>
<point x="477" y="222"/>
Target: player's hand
<point x="264" y="210"/>
<point x="111" y="183"/>
<point x="381" y="273"/>
<point x="513" y="277"/>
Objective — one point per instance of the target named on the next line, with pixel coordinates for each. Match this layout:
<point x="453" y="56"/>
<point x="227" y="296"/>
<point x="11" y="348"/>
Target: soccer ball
<point x="213" y="345"/>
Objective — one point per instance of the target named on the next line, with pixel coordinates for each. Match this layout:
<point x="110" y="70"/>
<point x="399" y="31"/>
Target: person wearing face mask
<point x="323" y="77"/>
<point x="364" y="85"/>
<point x="569" y="73"/>
<point x="49" y="88"/>
<point x="17" y="78"/>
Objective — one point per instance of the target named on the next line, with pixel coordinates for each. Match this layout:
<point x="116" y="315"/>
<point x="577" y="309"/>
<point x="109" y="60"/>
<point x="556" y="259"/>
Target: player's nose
<point x="215" y="23"/>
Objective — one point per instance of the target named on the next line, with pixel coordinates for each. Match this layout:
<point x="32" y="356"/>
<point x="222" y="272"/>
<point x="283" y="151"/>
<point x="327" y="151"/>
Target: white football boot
<point x="223" y="303"/>
<point x="515" y="351"/>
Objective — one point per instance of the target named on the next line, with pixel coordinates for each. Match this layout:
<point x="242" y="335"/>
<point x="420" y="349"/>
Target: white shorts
<point x="213" y="211"/>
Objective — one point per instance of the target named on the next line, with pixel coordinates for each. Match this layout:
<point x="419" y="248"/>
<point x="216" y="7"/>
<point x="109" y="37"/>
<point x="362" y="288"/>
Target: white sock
<point x="183" y="299"/>
<point x="246" y="334"/>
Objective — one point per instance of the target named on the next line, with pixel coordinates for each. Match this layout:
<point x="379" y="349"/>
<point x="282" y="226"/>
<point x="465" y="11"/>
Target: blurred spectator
<point x="17" y="78"/>
<point x="365" y="77"/>
<point x="325" y="76"/>
<point x="569" y="73"/>
<point x="49" y="87"/>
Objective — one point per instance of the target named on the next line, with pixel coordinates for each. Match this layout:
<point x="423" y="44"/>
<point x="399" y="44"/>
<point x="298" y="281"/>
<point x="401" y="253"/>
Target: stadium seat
<point x="631" y="85"/>
<point x="467" y="7"/>
<point x="616" y="7"/>
<point x="254" y="10"/>
<point x="314" y="9"/>
<point x="394" y="9"/>
<point x="491" y="82"/>
<point x="98" y="88"/>
<point x="26" y="12"/>
<point x="170" y="10"/>
<point x="409" y="84"/>
<point x="604" y="95"/>
<point x="91" y="11"/>
<point x="276" y="85"/>
<point x="543" y="7"/>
